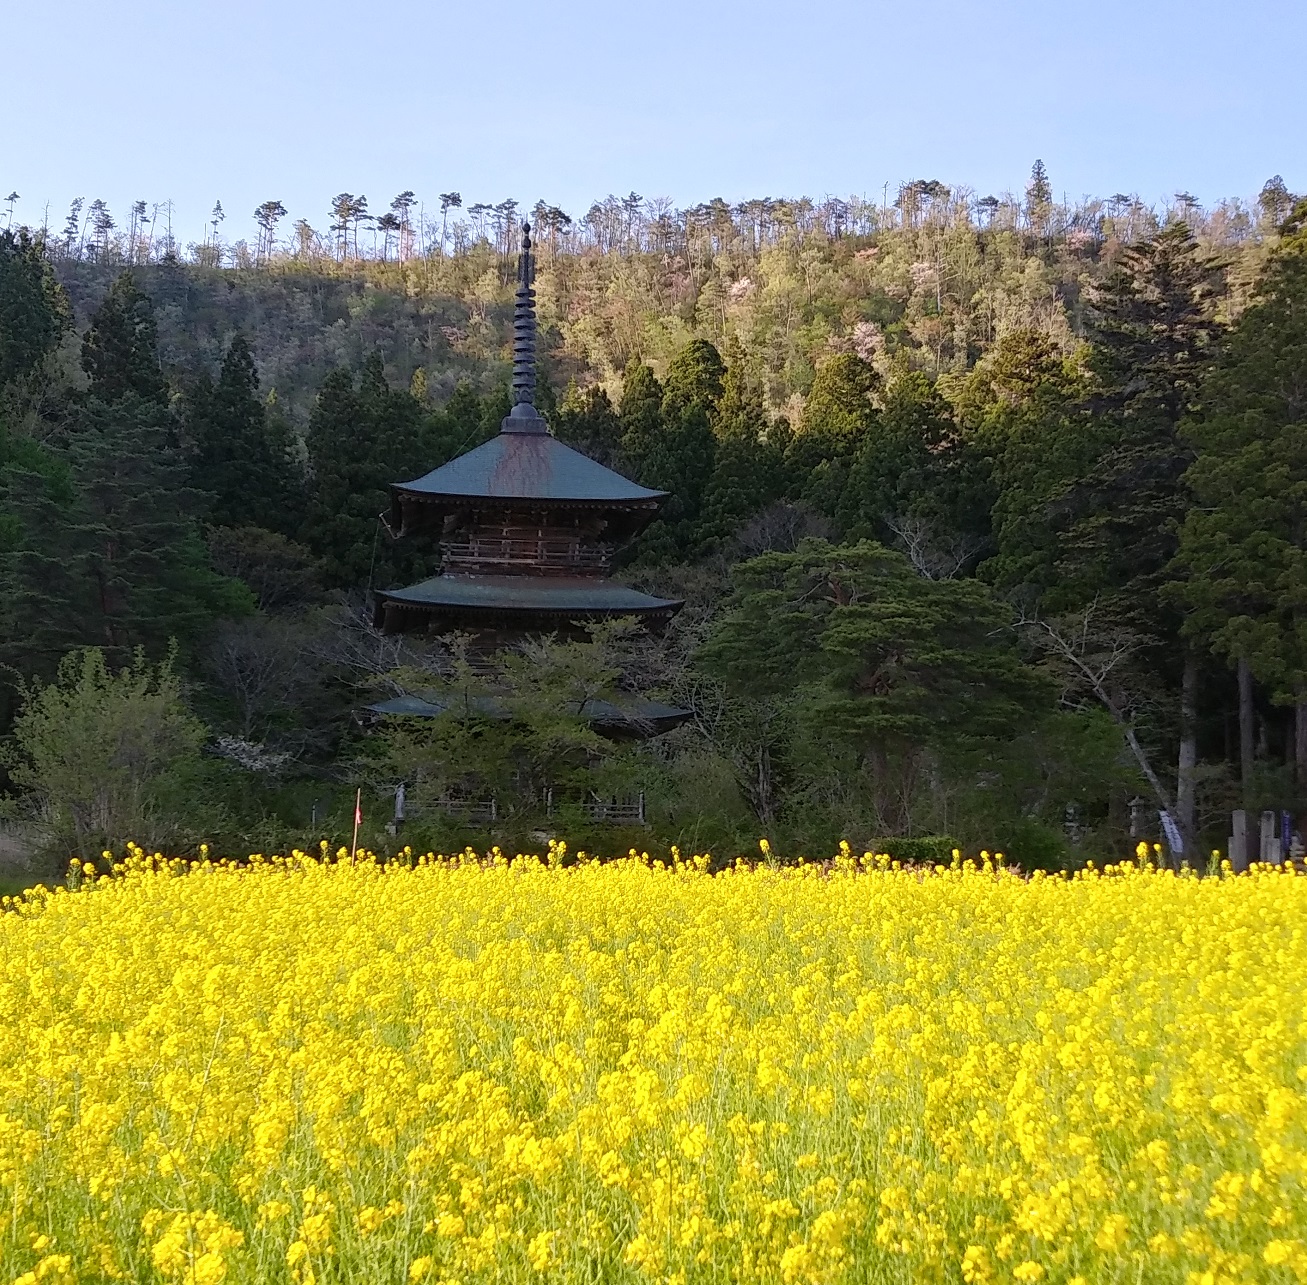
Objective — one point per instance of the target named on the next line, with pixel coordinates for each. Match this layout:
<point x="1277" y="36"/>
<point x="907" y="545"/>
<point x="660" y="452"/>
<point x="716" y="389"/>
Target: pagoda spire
<point x="524" y="417"/>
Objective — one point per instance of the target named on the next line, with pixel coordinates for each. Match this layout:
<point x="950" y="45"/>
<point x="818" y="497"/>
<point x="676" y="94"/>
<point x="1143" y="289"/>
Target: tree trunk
<point x="1300" y="743"/>
<point x="1247" y="732"/>
<point x="1188" y="757"/>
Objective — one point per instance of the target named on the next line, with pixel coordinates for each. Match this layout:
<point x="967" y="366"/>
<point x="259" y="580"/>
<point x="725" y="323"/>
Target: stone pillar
<point x="1239" y="840"/>
<point x="1271" y="852"/>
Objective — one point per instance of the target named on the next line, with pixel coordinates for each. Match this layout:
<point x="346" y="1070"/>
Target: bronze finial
<point x="524" y="330"/>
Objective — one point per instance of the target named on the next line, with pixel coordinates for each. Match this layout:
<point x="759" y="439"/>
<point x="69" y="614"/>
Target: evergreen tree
<point x="1153" y="336"/>
<point x="640" y="418"/>
<point x="240" y="454"/>
<point x="361" y="438"/>
<point x="873" y="662"/>
<point x="111" y="555"/>
<point x="1039" y="197"/>
<point x="695" y="377"/>
<point x="42" y="598"/>
<point x="748" y="471"/>
<point x="682" y="457"/>
<point x="1021" y="412"/>
<point x="917" y="484"/>
<point x="120" y="351"/>
<point x="146" y="572"/>
<point x="837" y="415"/>
<point x="104" y="548"/>
<point x="668" y="443"/>
<point x="586" y="420"/>
<point x="34" y="309"/>
<point x="464" y="421"/>
<point x="1243" y="546"/>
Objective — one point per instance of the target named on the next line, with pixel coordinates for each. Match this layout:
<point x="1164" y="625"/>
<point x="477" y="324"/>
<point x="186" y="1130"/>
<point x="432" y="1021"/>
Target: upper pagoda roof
<point x="527" y="465"/>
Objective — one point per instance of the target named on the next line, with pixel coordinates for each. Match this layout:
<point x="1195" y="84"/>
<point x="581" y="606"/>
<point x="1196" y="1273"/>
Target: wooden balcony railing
<point x="468" y="809"/>
<point x="484" y="553"/>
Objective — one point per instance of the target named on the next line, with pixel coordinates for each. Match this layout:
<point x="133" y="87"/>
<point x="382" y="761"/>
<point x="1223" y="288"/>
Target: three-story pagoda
<point x="527" y="526"/>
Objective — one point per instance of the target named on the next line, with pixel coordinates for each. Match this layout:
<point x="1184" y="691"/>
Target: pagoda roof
<point x="552" y="595"/>
<point x="634" y="715"/>
<point x="528" y="466"/>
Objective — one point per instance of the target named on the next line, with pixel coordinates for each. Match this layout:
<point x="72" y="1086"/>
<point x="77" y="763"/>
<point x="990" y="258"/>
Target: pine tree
<point x="870" y="657"/>
<point x="120" y="351"/>
<point x="586" y="420"/>
<point x="1153" y="335"/>
<point x="839" y="409"/>
<point x="135" y="536"/>
<point x="240" y="454"/>
<point x="917" y="484"/>
<point x="1039" y="197"/>
<point x="1243" y="546"/>
<point x="43" y="607"/>
<point x="360" y="440"/>
<point x="694" y="378"/>
<point x="459" y="425"/>
<point x="667" y="442"/>
<point x="34" y="309"/>
<point x="837" y="416"/>
<point x="748" y="471"/>
<point x="1021" y="411"/>
<point x="640" y="416"/>
<point x="111" y="554"/>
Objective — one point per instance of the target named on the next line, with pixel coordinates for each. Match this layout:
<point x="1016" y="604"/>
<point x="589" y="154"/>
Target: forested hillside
<point x="991" y="515"/>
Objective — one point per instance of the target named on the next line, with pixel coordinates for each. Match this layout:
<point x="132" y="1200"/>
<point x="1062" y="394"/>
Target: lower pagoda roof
<point x="635" y="716"/>
<point x="468" y="597"/>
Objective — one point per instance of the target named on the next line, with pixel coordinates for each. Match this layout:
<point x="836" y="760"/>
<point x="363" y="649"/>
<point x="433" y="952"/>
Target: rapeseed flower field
<point x="298" y="1070"/>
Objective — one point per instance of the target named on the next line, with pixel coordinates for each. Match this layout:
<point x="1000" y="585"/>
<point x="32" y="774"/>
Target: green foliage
<point x="97" y="750"/>
<point x="1022" y="407"/>
<point x="362" y="436"/>
<point x="587" y="421"/>
<point x="1243" y="547"/>
<point x="640" y="416"/>
<point x="241" y="454"/>
<point x="847" y="667"/>
<point x="513" y="727"/>
<point x="668" y="443"/>
<point x="749" y="465"/>
<point x="839" y="410"/>
<point x="110" y="551"/>
<point x="694" y="378"/>
<point x="878" y="652"/>
<point x="120" y="351"/>
<point x="281" y="575"/>
<point x="1152" y="336"/>
<point x="34" y="310"/>
<point x="929" y="849"/>
<point x="917" y="483"/>
<point x="1152" y="325"/>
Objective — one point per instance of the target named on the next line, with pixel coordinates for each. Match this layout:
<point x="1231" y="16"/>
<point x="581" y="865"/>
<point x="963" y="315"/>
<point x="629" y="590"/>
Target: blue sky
<point x="246" y="101"/>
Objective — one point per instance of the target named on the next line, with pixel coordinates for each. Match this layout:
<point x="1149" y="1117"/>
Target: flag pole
<point x="358" y="816"/>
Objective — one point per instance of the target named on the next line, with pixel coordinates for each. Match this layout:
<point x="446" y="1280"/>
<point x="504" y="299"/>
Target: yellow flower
<point x="488" y="1066"/>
